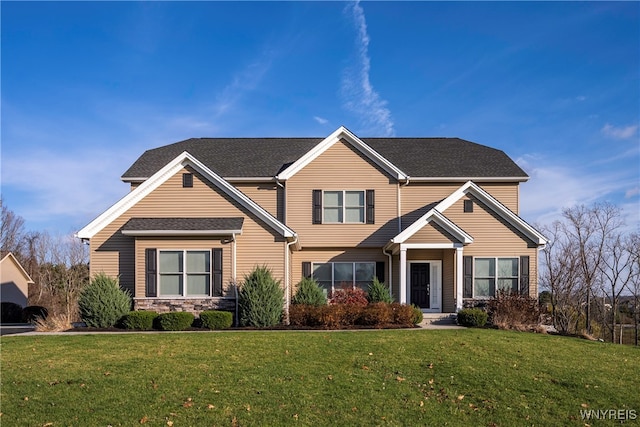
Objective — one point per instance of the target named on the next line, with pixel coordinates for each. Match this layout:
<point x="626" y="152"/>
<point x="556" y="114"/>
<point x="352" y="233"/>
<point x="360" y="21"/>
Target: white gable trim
<point x="496" y="206"/>
<point x="10" y="257"/>
<point x="433" y="216"/>
<point x="157" y="179"/>
<point x="337" y="135"/>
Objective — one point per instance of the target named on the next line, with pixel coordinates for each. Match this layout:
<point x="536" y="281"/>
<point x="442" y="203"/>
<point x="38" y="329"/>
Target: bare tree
<point x="588" y="229"/>
<point x="633" y="285"/>
<point x="12" y="233"/>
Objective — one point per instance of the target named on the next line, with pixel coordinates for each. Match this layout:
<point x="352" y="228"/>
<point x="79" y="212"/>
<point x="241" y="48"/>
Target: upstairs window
<point x="343" y="207"/>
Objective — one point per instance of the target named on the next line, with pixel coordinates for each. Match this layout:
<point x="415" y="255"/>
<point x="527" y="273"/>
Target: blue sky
<point x="88" y="86"/>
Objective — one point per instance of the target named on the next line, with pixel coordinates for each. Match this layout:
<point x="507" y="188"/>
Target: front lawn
<point x="388" y="377"/>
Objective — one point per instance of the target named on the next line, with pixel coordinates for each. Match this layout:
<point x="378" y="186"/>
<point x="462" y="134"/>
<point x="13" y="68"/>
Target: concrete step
<point x="439" y="318"/>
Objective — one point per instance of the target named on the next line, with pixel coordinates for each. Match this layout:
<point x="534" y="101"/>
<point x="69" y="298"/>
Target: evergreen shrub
<point x="174" y="321"/>
<point x="10" y="312"/>
<point x="216" y="319"/>
<point x="102" y="303"/>
<point x="378" y="292"/>
<point x="138" y="320"/>
<point x="472" y="317"/>
<point x="309" y="293"/>
<point x="260" y="299"/>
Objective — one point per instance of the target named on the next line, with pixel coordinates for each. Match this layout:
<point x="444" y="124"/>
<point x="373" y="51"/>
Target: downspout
<point x="287" y="279"/>
<point x="233" y="272"/>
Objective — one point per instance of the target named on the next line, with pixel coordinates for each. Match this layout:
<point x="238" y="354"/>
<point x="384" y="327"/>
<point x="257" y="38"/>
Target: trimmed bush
<point x="102" y="303"/>
<point x="472" y="317"/>
<point x="378" y="292"/>
<point x="404" y="315"/>
<point x="33" y="313"/>
<point x="260" y="299"/>
<point x="174" y="321"/>
<point x="349" y="295"/>
<point x="309" y="293"/>
<point x="215" y="319"/>
<point x="377" y="315"/>
<point x="10" y="312"/>
<point x="514" y="311"/>
<point x="139" y="320"/>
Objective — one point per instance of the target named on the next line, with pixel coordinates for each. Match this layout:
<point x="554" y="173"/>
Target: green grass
<point x="393" y="377"/>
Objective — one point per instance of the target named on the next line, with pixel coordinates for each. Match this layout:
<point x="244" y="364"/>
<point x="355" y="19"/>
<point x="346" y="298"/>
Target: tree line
<point x="58" y="264"/>
<point x="590" y="271"/>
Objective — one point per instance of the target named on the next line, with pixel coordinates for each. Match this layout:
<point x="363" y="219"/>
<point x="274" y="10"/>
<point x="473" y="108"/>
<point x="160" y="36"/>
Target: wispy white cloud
<point x="359" y="95"/>
<point x="320" y="120"/>
<point x="632" y="192"/>
<point x="622" y="132"/>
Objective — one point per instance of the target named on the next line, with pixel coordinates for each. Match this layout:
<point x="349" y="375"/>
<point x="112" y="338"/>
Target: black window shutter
<point x="380" y="271"/>
<point x="306" y="269"/>
<point x="151" y="278"/>
<point x="317" y="207"/>
<point x="467" y="272"/>
<point x="370" y="214"/>
<point x="524" y="275"/>
<point x="216" y="254"/>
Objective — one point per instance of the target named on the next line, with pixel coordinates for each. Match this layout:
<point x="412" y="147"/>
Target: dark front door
<point x="420" y="286"/>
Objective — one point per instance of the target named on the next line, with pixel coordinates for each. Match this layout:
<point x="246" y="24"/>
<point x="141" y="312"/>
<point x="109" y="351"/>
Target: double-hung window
<point x="335" y="275"/>
<point x="344" y="207"/>
<point x="184" y="273"/>
<point x="495" y="274"/>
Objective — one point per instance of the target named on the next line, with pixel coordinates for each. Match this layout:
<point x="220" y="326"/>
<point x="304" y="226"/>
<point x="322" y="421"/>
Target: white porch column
<point x="403" y="275"/>
<point x="459" y="278"/>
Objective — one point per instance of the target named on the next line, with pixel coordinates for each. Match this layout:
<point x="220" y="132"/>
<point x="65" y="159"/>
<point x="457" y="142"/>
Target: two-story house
<point x="436" y="219"/>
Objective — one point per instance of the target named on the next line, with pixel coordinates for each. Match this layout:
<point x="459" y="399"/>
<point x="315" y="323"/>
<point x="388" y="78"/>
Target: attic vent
<point x="468" y="205"/>
<point x="187" y="180"/>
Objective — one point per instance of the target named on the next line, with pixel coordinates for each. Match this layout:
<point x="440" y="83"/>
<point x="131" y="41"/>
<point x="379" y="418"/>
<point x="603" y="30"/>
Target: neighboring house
<point x="434" y="218"/>
<point x="14" y="281"/>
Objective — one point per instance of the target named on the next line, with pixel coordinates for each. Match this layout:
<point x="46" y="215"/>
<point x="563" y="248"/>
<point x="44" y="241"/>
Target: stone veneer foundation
<point x="195" y="306"/>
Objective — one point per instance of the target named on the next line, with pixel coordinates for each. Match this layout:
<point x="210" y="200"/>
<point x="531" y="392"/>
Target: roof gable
<point x="342" y="134"/>
<point x="433" y="215"/>
<point x="10" y="258"/>
<point x="161" y="176"/>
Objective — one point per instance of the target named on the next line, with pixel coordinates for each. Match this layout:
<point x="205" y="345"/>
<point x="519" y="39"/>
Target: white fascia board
<point x="438" y="218"/>
<point x="157" y="179"/>
<point x="324" y="145"/>
<point x="181" y="232"/>
<point x="16" y="263"/>
<point x="496" y="206"/>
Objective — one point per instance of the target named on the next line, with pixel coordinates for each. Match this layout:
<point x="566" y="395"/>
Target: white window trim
<point x="496" y="277"/>
<point x="344" y="206"/>
<point x="353" y="263"/>
<point x="184" y="274"/>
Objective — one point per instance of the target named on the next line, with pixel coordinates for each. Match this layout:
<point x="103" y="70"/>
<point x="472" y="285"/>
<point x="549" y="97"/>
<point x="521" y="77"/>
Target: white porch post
<point x="459" y="278"/>
<point x="403" y="275"/>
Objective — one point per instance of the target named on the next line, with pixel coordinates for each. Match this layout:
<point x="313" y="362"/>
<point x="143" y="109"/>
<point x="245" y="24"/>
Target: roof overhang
<point x="345" y="134"/>
<point x="433" y="215"/>
<point x="465" y="179"/>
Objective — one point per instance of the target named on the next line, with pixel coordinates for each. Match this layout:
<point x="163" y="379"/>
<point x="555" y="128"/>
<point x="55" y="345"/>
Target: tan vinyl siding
<point x="264" y="194"/>
<point x="342" y="167"/>
<point x="416" y="197"/>
<point x="432" y="233"/>
<point x="493" y="236"/>
<point x="113" y="252"/>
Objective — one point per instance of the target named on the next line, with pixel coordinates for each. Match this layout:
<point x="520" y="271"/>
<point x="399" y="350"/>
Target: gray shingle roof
<point x="182" y="224"/>
<point x="266" y="157"/>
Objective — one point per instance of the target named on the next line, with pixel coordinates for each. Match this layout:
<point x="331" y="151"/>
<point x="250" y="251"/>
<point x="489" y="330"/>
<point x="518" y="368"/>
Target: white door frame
<point x="435" y="279"/>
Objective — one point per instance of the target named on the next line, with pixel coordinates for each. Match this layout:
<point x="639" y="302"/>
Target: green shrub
<point x="33" y="313"/>
<point x="214" y="319"/>
<point x="418" y="316"/>
<point x="309" y="293"/>
<point x="102" y="303"/>
<point x="138" y="320"/>
<point x="174" y="321"/>
<point x="260" y="299"/>
<point x="472" y="317"/>
<point x="10" y="312"/>
<point x="378" y="292"/>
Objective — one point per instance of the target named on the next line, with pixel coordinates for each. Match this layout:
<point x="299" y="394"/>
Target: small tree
<point x="309" y="293"/>
<point x="102" y="303"/>
<point x="260" y="299"/>
<point x="378" y="292"/>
